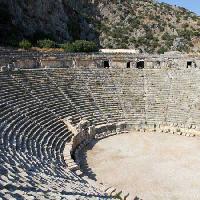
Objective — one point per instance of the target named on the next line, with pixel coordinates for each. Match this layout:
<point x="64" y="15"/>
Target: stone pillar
<point x="70" y="126"/>
<point x="121" y="126"/>
<point x="91" y="132"/>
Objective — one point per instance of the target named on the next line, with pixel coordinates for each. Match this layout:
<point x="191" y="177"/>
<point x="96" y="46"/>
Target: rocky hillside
<point x="148" y="25"/>
<point x="143" y="24"/>
<point x="37" y="19"/>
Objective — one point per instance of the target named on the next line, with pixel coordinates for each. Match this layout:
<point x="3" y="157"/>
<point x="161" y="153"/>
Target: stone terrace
<point x="35" y="104"/>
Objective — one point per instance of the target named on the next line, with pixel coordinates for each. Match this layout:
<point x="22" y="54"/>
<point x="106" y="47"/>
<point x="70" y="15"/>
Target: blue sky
<point x="193" y="5"/>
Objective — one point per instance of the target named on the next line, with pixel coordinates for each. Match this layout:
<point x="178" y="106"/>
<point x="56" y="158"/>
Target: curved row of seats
<point x="33" y="104"/>
<point x="32" y="139"/>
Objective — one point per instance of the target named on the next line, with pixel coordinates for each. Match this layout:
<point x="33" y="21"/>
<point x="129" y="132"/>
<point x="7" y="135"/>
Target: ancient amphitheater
<point x="53" y="107"/>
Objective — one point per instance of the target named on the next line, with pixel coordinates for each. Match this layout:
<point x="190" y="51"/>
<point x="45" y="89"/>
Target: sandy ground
<point x="151" y="166"/>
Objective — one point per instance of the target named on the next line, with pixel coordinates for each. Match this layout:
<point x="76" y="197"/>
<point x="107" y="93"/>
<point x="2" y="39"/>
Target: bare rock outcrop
<point x="33" y="19"/>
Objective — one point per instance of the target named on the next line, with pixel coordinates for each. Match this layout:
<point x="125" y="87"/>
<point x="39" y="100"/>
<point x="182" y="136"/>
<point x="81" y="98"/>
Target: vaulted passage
<point x="189" y="64"/>
<point x="140" y="64"/>
<point x="128" y="65"/>
<point x="106" y="64"/>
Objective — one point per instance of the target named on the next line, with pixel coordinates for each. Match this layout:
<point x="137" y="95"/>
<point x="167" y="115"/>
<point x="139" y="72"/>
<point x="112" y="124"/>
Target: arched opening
<point x="189" y="64"/>
<point x="106" y="64"/>
<point x="158" y="63"/>
<point x="128" y="65"/>
<point x="140" y="64"/>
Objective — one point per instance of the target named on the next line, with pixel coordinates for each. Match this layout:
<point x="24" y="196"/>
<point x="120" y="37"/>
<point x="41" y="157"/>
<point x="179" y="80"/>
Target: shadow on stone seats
<point x="83" y="164"/>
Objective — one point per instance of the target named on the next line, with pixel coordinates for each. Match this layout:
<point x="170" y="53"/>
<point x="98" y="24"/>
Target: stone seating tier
<point x="34" y="139"/>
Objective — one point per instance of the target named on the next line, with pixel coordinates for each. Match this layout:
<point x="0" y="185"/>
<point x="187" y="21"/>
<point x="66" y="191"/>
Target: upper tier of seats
<point x="32" y="140"/>
<point x="33" y="104"/>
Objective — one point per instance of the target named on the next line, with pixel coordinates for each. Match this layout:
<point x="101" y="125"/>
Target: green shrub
<point x="132" y="40"/>
<point x="115" y="34"/>
<point x="162" y="50"/>
<point x="134" y="22"/>
<point x="80" y="46"/>
<point x="185" y="33"/>
<point x="85" y="46"/>
<point x="167" y="36"/>
<point x="25" y="44"/>
<point x="46" y="43"/>
<point x="68" y="47"/>
<point x="196" y="33"/>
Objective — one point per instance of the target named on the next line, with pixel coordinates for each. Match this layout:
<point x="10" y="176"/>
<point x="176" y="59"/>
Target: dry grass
<point x="43" y="50"/>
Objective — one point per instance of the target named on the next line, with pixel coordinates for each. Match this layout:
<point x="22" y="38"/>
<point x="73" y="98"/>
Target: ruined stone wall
<point x="33" y="59"/>
<point x="165" y="92"/>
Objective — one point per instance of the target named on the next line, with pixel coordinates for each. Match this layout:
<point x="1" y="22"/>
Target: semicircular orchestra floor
<point x="150" y="166"/>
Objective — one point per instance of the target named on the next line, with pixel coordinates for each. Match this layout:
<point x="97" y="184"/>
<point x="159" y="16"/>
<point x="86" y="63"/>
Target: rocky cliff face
<point x="34" y="18"/>
<point x="144" y="24"/>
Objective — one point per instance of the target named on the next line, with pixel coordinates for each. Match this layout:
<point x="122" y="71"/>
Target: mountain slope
<point x="146" y="25"/>
<point x="34" y="19"/>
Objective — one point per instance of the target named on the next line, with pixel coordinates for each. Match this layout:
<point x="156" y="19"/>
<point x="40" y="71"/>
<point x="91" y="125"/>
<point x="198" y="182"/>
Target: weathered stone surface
<point x="47" y="17"/>
<point x="47" y="116"/>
